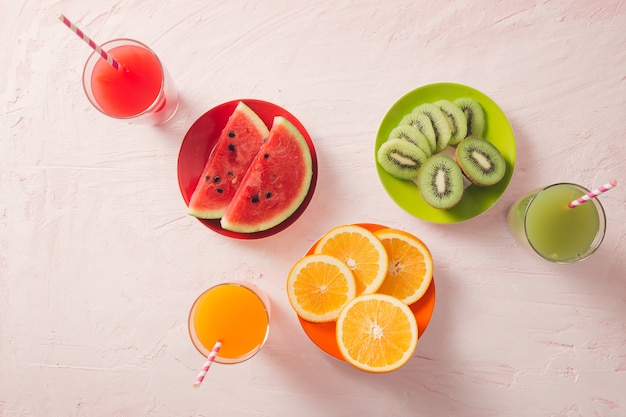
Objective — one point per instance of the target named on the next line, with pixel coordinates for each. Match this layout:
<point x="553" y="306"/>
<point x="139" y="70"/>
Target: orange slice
<point x="410" y="270"/>
<point x="318" y="286"/>
<point x="361" y="251"/>
<point x="376" y="333"/>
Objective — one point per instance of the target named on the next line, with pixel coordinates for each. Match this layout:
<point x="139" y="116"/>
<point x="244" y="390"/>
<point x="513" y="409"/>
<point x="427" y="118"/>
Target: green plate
<point x="476" y="200"/>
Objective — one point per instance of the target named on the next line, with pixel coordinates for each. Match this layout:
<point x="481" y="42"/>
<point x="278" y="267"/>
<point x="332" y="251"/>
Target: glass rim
<point x="203" y="350"/>
<point x="94" y="56"/>
<point x="599" y="237"/>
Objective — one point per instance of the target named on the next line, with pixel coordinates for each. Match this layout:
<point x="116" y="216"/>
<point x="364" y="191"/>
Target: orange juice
<point x="237" y="314"/>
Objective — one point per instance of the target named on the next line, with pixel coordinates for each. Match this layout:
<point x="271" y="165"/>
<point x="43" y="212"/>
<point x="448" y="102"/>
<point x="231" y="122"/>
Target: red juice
<point x="133" y="88"/>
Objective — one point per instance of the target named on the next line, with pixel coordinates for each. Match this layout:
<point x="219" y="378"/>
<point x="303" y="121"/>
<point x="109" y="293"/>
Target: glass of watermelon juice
<point x="234" y="313"/>
<point x="140" y="91"/>
<point x="543" y="221"/>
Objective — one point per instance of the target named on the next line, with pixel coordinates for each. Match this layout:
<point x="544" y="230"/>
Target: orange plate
<point x="202" y="137"/>
<point x="323" y="334"/>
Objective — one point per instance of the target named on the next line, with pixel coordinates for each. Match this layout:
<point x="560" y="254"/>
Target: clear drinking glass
<point x="543" y="221"/>
<point x="140" y="91"/>
<point x="234" y="313"/>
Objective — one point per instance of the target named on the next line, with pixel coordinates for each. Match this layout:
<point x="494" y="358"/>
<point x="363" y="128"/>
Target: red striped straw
<point x="89" y="42"/>
<point x="207" y="364"/>
<point x="606" y="187"/>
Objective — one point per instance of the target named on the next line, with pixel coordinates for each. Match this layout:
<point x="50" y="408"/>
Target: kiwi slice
<point x="440" y="182"/>
<point x="439" y="122"/>
<point x="456" y="119"/>
<point x="411" y="134"/>
<point x="481" y="162"/>
<point x="422" y="123"/>
<point x="401" y="158"/>
<point x="474" y="114"/>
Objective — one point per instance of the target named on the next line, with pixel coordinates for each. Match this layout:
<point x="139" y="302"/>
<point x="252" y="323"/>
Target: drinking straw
<point x="90" y="42"/>
<point x="593" y="194"/>
<point x="207" y="364"/>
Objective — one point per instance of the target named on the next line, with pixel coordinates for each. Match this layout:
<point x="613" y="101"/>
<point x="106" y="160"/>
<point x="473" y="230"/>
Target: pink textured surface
<point x="99" y="263"/>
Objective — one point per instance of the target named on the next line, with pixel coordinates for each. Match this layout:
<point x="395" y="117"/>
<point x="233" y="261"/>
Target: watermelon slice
<point x="276" y="183"/>
<point x="238" y="144"/>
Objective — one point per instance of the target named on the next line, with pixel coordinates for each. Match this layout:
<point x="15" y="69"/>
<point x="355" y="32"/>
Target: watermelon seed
<point x="255" y="199"/>
<point x="216" y="179"/>
<point x="264" y="140"/>
<point x="219" y="190"/>
<point x="267" y="155"/>
<point x="207" y="178"/>
<point x="231" y="147"/>
<point x="268" y="194"/>
<point x="231" y="134"/>
<point x="230" y="173"/>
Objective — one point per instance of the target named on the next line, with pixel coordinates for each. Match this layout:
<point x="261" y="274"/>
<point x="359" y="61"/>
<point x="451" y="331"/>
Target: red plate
<point x="323" y="334"/>
<point x="202" y="137"/>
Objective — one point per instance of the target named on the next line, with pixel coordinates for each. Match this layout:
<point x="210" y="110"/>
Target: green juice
<point x="553" y="229"/>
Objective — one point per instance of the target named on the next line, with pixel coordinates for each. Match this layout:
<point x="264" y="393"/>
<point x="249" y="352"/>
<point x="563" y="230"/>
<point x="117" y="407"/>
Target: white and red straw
<point x="207" y="364"/>
<point x="89" y="42"/>
<point x="606" y="187"/>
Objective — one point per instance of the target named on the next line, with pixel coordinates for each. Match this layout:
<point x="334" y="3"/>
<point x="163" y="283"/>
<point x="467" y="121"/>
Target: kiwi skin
<point x="469" y="165"/>
<point x="430" y="176"/>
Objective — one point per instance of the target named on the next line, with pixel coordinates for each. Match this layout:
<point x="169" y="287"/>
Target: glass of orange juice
<point x="235" y="313"/>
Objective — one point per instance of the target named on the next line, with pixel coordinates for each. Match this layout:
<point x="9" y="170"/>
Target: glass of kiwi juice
<point x="543" y="221"/>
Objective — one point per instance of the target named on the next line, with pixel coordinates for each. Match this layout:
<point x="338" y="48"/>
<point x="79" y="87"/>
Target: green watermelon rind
<point x="260" y="127"/>
<point x="227" y="224"/>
